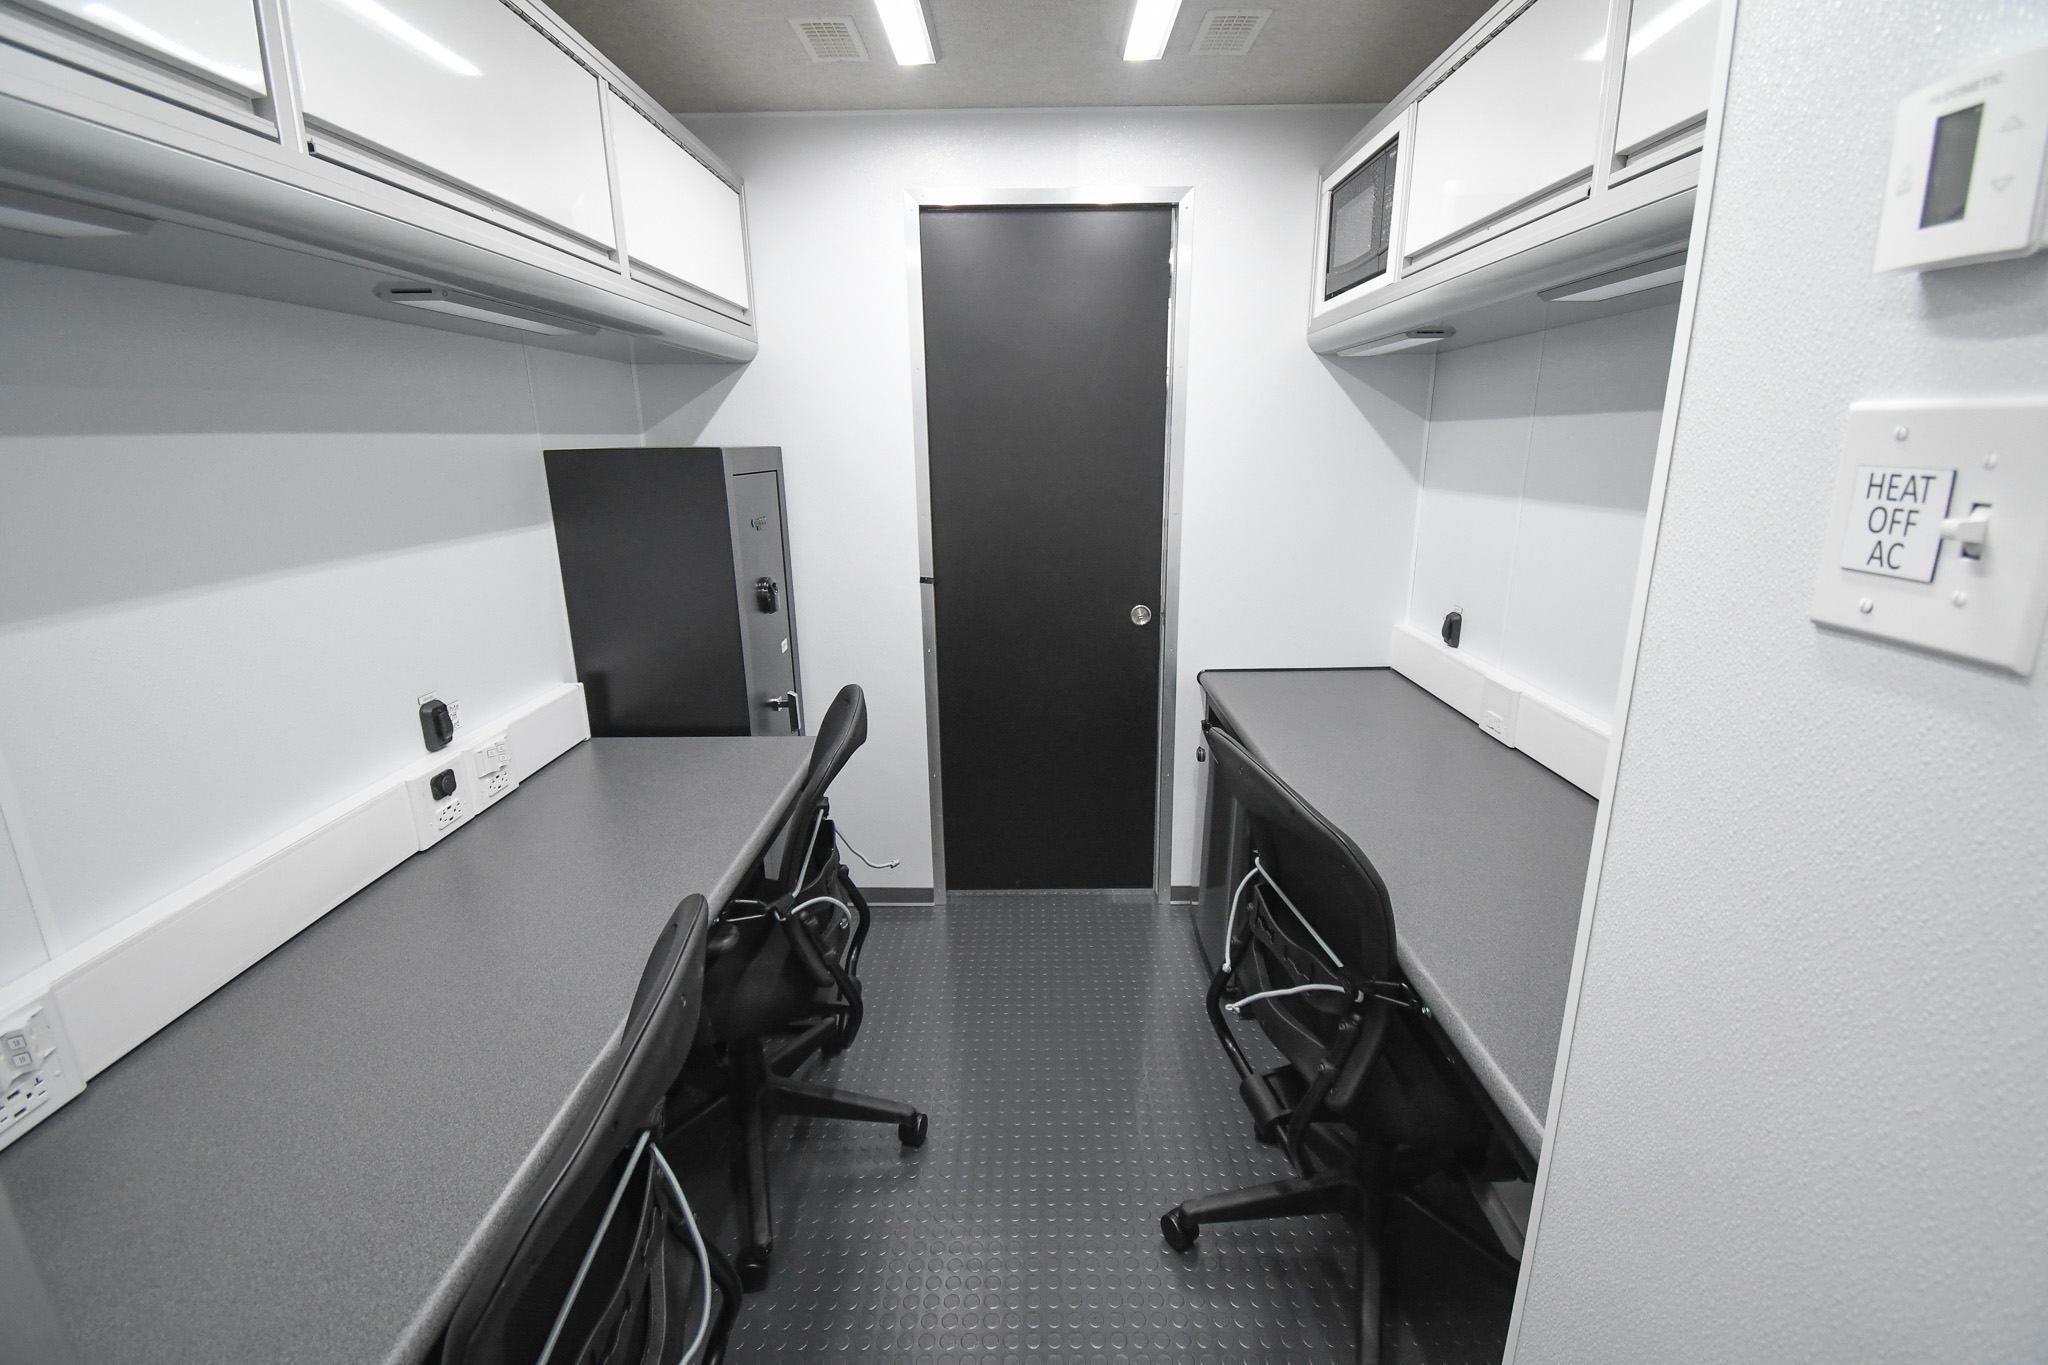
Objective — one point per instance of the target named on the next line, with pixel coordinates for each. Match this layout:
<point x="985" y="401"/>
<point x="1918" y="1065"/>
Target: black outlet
<point x="443" y="784"/>
<point x="1454" y="626"/>
<point x="437" y="726"/>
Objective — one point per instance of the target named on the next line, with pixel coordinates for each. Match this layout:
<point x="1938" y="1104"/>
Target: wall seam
<point x="40" y="905"/>
<point x="1421" y="487"/>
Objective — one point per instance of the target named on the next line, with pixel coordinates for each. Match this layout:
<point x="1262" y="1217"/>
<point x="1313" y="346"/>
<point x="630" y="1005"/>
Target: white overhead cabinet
<point x="215" y="40"/>
<point x="1511" y="133"/>
<point x="466" y="91"/>
<point x="1552" y="161"/>
<point x="470" y="164"/>
<point x="1664" y="86"/>
<point x="681" y="220"/>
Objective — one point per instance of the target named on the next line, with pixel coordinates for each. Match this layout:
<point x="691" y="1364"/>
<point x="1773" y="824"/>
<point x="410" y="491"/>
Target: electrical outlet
<point x="490" y="765"/>
<point x="440" y="798"/>
<point x="33" y="1076"/>
<point x="448" y="814"/>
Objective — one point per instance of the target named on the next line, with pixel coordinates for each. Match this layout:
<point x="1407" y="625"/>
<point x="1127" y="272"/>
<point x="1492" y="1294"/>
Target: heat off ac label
<point x="1895" y="519"/>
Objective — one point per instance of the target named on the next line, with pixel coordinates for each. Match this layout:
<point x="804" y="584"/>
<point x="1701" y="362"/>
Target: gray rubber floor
<point x="1075" y="1092"/>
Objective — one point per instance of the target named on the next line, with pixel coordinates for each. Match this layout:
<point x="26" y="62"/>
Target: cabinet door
<point x="466" y="90"/>
<point x="214" y="39"/>
<point x="1518" y="120"/>
<point x="1670" y="62"/>
<point x="680" y="219"/>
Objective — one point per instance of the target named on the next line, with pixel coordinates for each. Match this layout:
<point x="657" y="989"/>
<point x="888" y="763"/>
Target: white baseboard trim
<point x="116" y="989"/>
<point x="1562" y="738"/>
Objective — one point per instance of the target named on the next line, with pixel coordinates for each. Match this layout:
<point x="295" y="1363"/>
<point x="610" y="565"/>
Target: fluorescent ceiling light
<point x="378" y="17"/>
<point x="434" y="299"/>
<point x="47" y="217"/>
<point x="1658" y="26"/>
<point x="1402" y="341"/>
<point x="910" y="38"/>
<point x="1630" y="279"/>
<point x="109" y="17"/>
<point x="1151" y="26"/>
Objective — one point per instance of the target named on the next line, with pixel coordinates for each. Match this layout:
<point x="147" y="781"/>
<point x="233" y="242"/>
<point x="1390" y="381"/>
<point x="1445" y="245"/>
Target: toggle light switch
<point x="1912" y="555"/>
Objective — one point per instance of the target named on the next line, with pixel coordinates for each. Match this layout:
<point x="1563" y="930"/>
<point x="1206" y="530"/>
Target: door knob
<point x="1141" y="615"/>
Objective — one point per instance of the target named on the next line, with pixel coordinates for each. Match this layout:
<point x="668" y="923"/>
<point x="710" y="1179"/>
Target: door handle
<point x="1141" y="615"/>
<point x="765" y="594"/>
<point x="790" y="702"/>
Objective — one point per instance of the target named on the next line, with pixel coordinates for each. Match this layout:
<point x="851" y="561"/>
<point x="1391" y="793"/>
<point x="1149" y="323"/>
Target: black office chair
<point x="1367" y="1102"/>
<point x="781" y="986"/>
<point x="603" y="1262"/>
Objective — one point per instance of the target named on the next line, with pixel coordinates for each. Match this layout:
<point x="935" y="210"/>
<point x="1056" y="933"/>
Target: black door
<point x="1045" y="337"/>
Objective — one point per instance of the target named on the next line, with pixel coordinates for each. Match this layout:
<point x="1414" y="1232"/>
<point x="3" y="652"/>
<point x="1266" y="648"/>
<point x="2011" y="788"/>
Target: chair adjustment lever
<point x="1399" y="994"/>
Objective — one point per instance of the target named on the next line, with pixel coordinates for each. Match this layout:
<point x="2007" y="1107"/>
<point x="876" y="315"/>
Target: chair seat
<point x="757" y="986"/>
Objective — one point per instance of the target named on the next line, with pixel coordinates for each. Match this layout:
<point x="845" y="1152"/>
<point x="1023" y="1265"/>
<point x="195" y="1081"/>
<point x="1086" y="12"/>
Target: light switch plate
<point x="1988" y="608"/>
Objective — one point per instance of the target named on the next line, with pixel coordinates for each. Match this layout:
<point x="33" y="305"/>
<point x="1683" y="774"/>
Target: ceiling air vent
<point x="1229" y="32"/>
<point x="830" y="40"/>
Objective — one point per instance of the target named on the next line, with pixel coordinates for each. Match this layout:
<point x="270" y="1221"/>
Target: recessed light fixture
<point x="48" y="217"/>
<point x="434" y="299"/>
<point x="1409" y="340"/>
<point x="910" y="36"/>
<point x="1630" y="279"/>
<point x="1151" y="26"/>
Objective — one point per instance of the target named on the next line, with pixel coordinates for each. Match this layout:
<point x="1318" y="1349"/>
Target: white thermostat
<point x="1966" y="173"/>
<point x="1938" y="535"/>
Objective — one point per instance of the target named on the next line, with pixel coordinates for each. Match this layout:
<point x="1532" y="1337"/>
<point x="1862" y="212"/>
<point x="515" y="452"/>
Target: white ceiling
<point x="699" y="56"/>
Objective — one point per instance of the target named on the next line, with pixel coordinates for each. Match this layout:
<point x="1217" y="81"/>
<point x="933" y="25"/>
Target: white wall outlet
<point x="441" y="798"/>
<point x="490" y="765"/>
<point x="34" y="1075"/>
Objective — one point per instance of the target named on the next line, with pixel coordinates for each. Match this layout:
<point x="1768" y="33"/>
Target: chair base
<point x="1345" y="1189"/>
<point x="765" y="1091"/>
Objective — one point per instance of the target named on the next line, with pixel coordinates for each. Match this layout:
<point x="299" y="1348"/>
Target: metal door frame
<point x="1180" y="199"/>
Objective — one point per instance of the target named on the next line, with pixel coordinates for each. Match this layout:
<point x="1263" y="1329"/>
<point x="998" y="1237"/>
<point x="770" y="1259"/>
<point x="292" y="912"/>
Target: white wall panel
<point x="1518" y="117"/>
<point x="1531" y="512"/>
<point x="1299" y="471"/>
<point x="213" y="38"/>
<point x="237" y="540"/>
<point x="1670" y="61"/>
<point x="468" y="90"/>
<point x="1802" y="1111"/>
<point x="21" y="940"/>
<point x="679" y="218"/>
<point x="1469" y="502"/>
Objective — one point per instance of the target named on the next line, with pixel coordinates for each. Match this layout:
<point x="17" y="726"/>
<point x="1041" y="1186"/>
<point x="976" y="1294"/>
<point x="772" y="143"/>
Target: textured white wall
<point x="1806" y="1099"/>
<point x="1300" y="473"/>
<point x="237" y="540"/>
<point x="1530" y="519"/>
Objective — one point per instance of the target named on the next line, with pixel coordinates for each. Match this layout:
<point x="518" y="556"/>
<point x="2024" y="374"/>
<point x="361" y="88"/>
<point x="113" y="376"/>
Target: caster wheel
<point x="752" y="1263"/>
<point x="911" y="1131"/>
<point x="1178" y="1229"/>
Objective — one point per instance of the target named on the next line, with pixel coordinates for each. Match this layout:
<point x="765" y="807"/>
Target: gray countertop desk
<point x="298" y="1168"/>
<point x="1483" y="850"/>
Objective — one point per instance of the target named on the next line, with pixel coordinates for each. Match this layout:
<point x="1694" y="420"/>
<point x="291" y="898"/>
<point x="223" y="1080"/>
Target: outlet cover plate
<point x="30" y="1092"/>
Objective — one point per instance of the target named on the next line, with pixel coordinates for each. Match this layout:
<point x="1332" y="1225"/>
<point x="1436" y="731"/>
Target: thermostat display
<point x="1966" y="173"/>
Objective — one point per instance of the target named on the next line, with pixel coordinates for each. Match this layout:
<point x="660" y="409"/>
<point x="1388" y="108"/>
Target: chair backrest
<point x="504" y="1316"/>
<point x="844" y="730"/>
<point x="1334" y="885"/>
